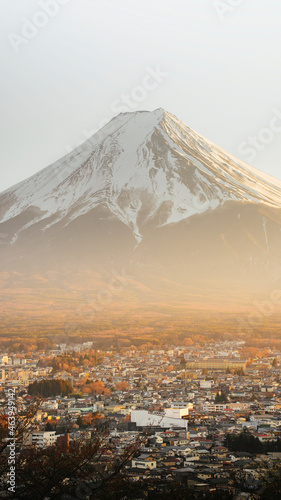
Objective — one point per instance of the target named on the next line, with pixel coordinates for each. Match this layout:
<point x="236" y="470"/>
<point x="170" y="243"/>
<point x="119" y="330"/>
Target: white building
<point x="51" y="404"/>
<point x="23" y="377"/>
<point x="215" y="407"/>
<point x="172" y="417"/>
<point x="42" y="439"/>
<point x="143" y="462"/>
<point x="206" y="384"/>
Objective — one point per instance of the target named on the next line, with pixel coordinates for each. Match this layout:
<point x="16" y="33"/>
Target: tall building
<point x="41" y="439"/>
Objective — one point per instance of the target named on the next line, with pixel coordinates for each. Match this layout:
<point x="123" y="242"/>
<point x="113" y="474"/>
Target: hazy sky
<point x="69" y="65"/>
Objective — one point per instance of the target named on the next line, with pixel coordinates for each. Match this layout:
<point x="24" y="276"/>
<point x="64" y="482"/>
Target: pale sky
<point x="69" y="65"/>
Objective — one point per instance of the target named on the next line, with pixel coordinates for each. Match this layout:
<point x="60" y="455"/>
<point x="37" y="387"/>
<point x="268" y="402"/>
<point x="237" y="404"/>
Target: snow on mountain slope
<point x="139" y="166"/>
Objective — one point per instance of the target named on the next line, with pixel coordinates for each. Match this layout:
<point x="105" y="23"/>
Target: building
<point x="5" y="360"/>
<point x="216" y="364"/>
<point x="18" y="361"/>
<point x="171" y="417"/>
<point x="42" y="439"/>
<point x="23" y="377"/>
<point x="210" y="407"/>
<point x="206" y="384"/>
<point x="144" y="462"/>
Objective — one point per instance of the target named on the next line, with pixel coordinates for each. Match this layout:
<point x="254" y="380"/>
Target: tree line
<point x="245" y="441"/>
<point x="49" y="388"/>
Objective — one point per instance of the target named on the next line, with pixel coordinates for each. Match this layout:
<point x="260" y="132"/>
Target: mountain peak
<point x="160" y="112"/>
<point x="145" y="167"/>
<point x="146" y="191"/>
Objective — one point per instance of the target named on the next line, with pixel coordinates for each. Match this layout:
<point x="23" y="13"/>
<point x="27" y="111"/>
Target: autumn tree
<point x="188" y="341"/>
<point x="98" y="387"/>
<point x="122" y="386"/>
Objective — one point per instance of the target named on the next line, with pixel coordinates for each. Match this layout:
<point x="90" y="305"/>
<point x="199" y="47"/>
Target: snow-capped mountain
<point x="133" y="166"/>
<point x="141" y="182"/>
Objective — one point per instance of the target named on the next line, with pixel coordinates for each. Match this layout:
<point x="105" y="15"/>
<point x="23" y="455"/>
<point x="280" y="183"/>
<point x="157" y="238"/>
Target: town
<point x="206" y="419"/>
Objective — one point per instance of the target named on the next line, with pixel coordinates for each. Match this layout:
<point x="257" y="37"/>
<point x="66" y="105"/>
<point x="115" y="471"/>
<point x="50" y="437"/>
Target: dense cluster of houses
<point x="184" y="404"/>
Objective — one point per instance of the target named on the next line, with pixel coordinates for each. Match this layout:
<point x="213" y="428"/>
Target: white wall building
<point x="51" y="404"/>
<point x="172" y="417"/>
<point x="144" y="463"/>
<point x="214" y="407"/>
<point x="206" y="384"/>
<point x="41" y="439"/>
